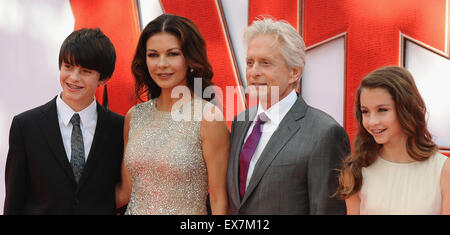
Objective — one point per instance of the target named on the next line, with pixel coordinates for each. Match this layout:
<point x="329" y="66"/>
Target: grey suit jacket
<point x="297" y="171"/>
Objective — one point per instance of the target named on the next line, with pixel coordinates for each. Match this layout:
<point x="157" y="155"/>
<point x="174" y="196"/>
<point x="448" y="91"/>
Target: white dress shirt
<point x="275" y="114"/>
<point x="88" y="122"/>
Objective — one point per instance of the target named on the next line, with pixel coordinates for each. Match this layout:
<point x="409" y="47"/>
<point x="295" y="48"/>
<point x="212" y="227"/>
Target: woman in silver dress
<point x="176" y="143"/>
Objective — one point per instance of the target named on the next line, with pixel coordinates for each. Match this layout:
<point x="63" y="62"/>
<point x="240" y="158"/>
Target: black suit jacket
<point x="38" y="175"/>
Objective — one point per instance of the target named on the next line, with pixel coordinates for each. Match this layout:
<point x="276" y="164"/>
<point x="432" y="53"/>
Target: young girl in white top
<point x="395" y="167"/>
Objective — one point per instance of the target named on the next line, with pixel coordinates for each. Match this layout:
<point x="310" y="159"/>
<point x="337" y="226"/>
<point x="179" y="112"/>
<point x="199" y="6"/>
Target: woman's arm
<point x="123" y="188"/>
<point x="216" y="145"/>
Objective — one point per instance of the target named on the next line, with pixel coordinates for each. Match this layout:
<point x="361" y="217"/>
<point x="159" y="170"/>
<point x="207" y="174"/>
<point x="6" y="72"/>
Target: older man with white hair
<point x="284" y="153"/>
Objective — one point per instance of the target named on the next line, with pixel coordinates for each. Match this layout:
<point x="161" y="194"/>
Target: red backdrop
<point x="372" y="30"/>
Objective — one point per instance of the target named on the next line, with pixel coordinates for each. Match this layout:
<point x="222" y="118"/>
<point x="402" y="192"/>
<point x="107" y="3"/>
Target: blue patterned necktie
<point x="248" y="150"/>
<point x="77" y="156"/>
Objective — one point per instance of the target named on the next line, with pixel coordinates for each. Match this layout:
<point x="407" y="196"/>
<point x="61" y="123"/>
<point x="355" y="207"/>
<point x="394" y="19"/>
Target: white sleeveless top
<point x="402" y="188"/>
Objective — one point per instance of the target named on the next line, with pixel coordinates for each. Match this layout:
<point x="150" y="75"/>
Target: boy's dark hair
<point x="91" y="49"/>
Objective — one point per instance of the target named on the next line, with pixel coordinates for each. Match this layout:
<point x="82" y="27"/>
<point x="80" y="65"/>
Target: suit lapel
<point x="99" y="142"/>
<point x="50" y="127"/>
<point x="287" y="128"/>
<point x="242" y="127"/>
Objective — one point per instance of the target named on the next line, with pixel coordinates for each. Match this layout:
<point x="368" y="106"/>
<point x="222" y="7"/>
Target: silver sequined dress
<point x="164" y="158"/>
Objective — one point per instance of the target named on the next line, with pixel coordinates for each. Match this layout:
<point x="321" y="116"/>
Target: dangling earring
<point x="191" y="70"/>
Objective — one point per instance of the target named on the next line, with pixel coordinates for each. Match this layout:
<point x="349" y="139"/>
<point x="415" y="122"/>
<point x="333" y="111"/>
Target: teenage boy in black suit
<point x="65" y="156"/>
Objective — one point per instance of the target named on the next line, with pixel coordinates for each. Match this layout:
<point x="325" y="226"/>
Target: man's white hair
<point x="292" y="44"/>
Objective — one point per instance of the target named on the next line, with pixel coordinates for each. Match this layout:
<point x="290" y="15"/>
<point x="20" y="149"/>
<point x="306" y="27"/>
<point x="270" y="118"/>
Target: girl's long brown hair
<point x="411" y="112"/>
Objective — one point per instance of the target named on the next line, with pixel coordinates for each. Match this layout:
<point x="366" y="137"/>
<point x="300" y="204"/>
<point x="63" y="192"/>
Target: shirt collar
<point x="65" y="112"/>
<point x="277" y="111"/>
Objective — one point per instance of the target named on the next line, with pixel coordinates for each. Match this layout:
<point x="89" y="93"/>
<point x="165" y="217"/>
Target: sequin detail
<point x="165" y="160"/>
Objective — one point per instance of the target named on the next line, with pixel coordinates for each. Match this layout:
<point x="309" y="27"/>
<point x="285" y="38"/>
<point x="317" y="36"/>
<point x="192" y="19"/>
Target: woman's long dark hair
<point x="411" y="112"/>
<point x="193" y="47"/>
